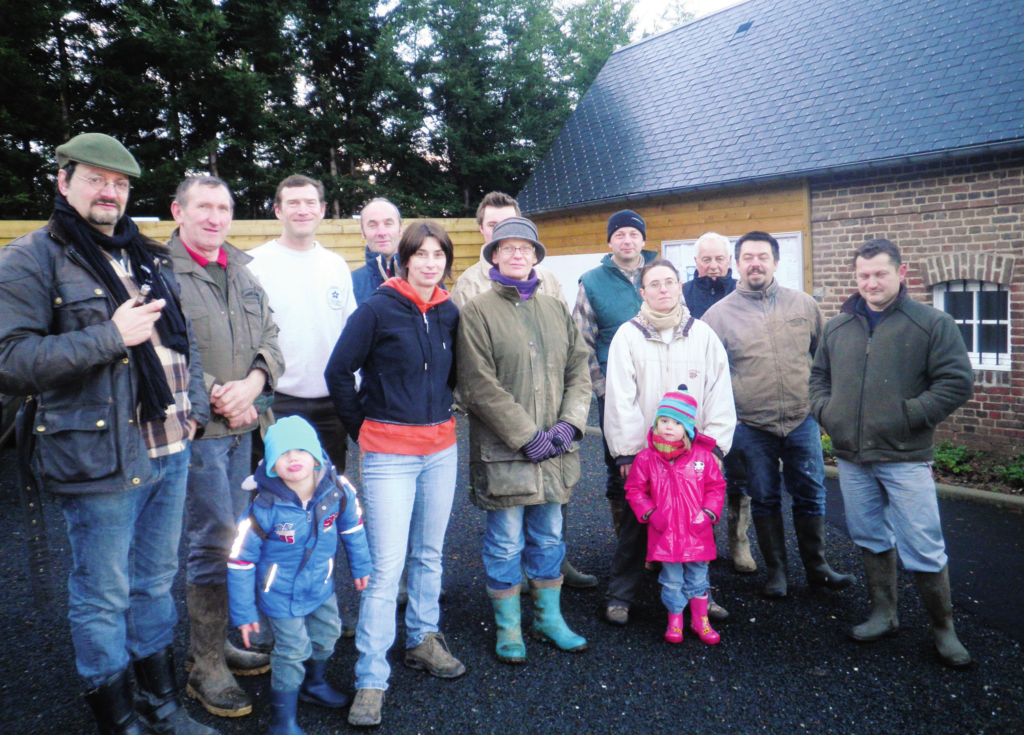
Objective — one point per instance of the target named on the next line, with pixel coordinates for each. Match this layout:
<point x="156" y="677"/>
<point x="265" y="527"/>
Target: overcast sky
<point x="700" y="8"/>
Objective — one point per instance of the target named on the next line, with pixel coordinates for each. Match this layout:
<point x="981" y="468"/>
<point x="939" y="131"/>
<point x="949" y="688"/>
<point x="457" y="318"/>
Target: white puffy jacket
<point x="642" y="368"/>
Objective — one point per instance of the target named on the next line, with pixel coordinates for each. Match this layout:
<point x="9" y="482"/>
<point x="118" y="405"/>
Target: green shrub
<point x="826" y="447"/>
<point x="1013" y="473"/>
<point x="953" y="458"/>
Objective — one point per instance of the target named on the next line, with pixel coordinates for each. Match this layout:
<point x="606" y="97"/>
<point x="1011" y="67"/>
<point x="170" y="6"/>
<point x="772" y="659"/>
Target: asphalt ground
<point x="782" y="666"/>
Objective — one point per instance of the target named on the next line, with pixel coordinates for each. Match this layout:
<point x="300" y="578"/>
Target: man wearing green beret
<point x="91" y="326"/>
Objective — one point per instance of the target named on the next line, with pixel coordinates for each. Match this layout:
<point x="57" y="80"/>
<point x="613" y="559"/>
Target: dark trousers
<point x="615" y="486"/>
<point x="321" y="414"/>
<point x="627" y="572"/>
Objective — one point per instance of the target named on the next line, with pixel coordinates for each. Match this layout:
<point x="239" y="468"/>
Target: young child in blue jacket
<point x="282" y="563"/>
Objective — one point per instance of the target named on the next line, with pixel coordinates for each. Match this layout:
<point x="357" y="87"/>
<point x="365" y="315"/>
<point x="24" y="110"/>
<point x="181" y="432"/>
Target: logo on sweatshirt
<point x="336" y="297"/>
<point x="698" y="467"/>
<point x="285" y="532"/>
<point x="329" y="521"/>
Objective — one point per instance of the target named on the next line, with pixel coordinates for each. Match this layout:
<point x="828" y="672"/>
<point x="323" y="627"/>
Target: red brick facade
<point x="956" y="219"/>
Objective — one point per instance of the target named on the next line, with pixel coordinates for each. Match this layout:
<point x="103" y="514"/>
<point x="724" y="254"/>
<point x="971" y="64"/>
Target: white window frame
<point x="979" y="360"/>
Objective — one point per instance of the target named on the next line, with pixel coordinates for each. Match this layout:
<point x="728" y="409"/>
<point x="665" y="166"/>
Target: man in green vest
<point x="609" y="296"/>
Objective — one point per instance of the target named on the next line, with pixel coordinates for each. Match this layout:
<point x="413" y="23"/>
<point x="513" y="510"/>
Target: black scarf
<point x="154" y="392"/>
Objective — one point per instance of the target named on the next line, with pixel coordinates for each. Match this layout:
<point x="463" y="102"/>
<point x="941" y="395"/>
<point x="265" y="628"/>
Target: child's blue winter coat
<point x="286" y="566"/>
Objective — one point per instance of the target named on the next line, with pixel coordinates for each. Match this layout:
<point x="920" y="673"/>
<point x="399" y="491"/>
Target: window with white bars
<point x="982" y="312"/>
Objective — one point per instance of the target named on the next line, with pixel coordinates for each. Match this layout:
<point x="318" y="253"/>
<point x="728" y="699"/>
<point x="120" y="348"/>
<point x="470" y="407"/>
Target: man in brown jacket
<point x="237" y="341"/>
<point x="771" y="333"/>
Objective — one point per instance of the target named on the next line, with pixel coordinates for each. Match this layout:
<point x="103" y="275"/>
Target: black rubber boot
<point x="283" y="708"/>
<point x="316" y="690"/>
<point x="160" y="699"/>
<point x="771" y="538"/>
<point x="934" y="589"/>
<point x="880" y="570"/>
<point x="810" y="537"/>
<point x="113" y="706"/>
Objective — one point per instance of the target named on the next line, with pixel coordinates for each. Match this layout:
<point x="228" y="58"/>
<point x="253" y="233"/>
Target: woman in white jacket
<point x="658" y="350"/>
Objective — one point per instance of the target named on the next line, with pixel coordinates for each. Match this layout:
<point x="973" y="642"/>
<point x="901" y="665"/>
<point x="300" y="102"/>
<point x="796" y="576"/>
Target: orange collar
<point x="405" y="288"/>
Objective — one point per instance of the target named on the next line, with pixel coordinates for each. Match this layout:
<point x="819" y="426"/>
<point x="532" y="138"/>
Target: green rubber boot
<point x="880" y="571"/>
<point x="548" y="624"/>
<point x="507" y="616"/>
<point x="934" y="589"/>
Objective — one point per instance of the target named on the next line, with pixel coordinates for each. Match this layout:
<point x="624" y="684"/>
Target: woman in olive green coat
<point x="523" y="377"/>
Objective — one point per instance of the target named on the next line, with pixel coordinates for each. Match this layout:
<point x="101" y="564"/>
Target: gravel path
<point x="782" y="666"/>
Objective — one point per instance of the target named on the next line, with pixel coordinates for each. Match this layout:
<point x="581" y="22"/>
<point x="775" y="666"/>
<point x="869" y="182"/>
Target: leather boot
<point x="810" y="537"/>
<point x="316" y="690"/>
<point x="739" y="543"/>
<point x="771" y="538"/>
<point x="160" y="699"/>
<point x="240" y="663"/>
<point x="548" y="624"/>
<point x="113" y="706"/>
<point x="210" y="680"/>
<point x="284" y="707"/>
<point x="934" y="590"/>
<point x="508" y="618"/>
<point x="617" y="507"/>
<point x="880" y="571"/>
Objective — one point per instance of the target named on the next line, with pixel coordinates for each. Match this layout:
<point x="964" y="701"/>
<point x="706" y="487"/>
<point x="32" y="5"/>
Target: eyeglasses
<point x="509" y="249"/>
<point x="668" y="283"/>
<point x="99" y="183"/>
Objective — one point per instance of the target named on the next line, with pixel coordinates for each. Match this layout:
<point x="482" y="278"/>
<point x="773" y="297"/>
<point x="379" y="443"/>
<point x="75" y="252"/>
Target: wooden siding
<point x="731" y="212"/>
<point x="342" y="236"/>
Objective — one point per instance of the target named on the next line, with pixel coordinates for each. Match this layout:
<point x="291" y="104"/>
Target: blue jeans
<point x="894" y="504"/>
<point x="531" y="535"/>
<point x="407" y="501"/>
<point x="296" y="640"/>
<point x="681" y="582"/>
<point x="124" y="548"/>
<point x="215" y="500"/>
<point x="803" y="468"/>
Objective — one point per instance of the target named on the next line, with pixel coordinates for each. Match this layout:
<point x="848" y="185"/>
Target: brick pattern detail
<point x="994" y="268"/>
<point x="954" y="219"/>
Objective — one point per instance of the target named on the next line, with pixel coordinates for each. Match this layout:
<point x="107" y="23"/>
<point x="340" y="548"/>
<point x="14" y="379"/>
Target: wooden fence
<point x="340" y="235"/>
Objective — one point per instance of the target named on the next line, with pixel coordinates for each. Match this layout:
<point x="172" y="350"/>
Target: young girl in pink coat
<point x="676" y="486"/>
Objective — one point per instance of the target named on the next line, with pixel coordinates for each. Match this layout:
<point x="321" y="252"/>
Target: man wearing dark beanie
<point x="119" y="393"/>
<point x="609" y="296"/>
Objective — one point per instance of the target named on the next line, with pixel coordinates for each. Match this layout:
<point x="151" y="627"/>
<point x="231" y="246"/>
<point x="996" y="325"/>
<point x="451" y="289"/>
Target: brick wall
<point x="962" y="218"/>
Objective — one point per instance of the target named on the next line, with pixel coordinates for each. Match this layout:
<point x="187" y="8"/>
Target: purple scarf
<point x="526" y="288"/>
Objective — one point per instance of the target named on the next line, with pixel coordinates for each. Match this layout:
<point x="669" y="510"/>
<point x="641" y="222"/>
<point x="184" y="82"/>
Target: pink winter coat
<point x="681" y="490"/>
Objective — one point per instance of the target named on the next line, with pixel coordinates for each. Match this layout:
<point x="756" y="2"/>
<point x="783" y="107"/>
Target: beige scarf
<point x="662" y="320"/>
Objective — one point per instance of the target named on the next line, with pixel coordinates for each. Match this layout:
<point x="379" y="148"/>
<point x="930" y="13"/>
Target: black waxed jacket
<point x="880" y="394"/>
<point x="703" y="292"/>
<point x="57" y="342"/>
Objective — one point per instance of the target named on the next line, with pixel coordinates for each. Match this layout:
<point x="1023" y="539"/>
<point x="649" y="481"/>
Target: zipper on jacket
<point x="270" y="578"/>
<point x="330" y="570"/>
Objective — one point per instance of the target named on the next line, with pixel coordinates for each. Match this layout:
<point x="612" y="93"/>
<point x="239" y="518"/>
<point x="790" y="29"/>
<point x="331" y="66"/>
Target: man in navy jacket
<point x="381" y="224"/>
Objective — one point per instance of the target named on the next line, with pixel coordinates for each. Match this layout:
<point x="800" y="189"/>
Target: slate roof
<point x="811" y="86"/>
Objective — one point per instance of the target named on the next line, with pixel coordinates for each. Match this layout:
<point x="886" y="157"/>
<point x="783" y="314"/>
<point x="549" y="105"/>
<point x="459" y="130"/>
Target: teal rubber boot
<point x="507" y="616"/>
<point x="548" y="624"/>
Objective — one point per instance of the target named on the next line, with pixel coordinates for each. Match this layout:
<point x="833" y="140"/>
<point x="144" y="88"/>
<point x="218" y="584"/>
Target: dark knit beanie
<point x="626" y="218"/>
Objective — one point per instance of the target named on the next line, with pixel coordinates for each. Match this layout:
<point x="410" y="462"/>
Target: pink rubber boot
<point x="699" y="622"/>
<point x="674" y="633"/>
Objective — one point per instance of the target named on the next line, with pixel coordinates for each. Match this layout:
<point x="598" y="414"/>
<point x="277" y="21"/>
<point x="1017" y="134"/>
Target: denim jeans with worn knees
<point x="803" y="469"/>
<point x="124" y="548"/>
<point x="894" y="504"/>
<point x="530" y="536"/>
<point x="407" y="501"/>
<point x="681" y="582"/>
<point x="214" y="502"/>
<point x="296" y="640"/>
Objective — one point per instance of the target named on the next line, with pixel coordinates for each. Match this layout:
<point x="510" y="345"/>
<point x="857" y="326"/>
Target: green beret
<point x="100" y="151"/>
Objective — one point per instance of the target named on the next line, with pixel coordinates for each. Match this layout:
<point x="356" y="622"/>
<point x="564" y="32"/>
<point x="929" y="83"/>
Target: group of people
<point x="151" y="365"/>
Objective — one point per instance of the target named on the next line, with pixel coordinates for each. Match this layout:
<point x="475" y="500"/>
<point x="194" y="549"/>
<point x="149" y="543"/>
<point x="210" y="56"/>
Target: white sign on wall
<point x="791" y="258"/>
<point x="569" y="268"/>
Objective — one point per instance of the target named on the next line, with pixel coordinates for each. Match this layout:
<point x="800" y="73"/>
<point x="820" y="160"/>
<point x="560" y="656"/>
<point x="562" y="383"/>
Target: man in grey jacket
<point x="119" y="393"/>
<point x="238" y="344"/>
<point x="880" y="406"/>
<point x="771" y="333"/>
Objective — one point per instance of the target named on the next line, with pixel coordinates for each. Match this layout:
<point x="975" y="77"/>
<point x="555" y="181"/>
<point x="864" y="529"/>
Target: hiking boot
<point x="432" y="655"/>
<point x="210" y="681"/>
<point x="880" y="570"/>
<point x="715" y="611"/>
<point x="366" y="708"/>
<point x="617" y="615"/>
